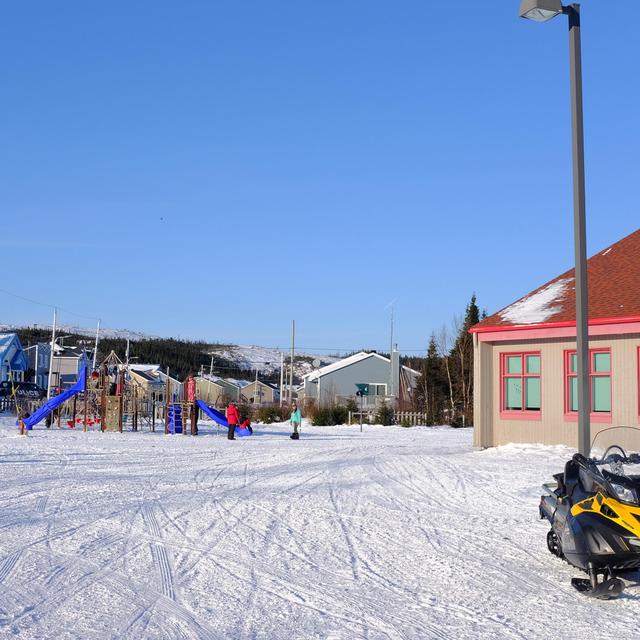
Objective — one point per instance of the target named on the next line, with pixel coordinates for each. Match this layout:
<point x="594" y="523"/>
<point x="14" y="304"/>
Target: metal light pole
<point x="541" y="11"/>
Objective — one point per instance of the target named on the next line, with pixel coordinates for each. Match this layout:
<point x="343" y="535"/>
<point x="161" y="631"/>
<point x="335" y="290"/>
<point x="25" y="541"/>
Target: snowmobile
<point x="594" y="512"/>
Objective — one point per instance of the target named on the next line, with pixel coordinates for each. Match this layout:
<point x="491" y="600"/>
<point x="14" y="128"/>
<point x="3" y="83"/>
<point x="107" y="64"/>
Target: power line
<point x="50" y="306"/>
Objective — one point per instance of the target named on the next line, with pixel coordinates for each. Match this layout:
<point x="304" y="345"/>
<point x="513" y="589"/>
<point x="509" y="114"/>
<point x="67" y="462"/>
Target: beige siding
<point x="249" y="393"/>
<point x="210" y="392"/>
<point x="482" y="394"/>
<point x="553" y="428"/>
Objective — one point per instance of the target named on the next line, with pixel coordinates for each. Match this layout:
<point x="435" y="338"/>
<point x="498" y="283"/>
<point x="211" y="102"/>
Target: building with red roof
<point x="525" y="384"/>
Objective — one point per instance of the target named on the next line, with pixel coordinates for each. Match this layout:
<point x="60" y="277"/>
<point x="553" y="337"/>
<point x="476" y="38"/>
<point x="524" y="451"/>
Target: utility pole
<point x="211" y="367"/>
<point x="293" y="342"/>
<point x="255" y="393"/>
<point x="53" y="342"/>
<point x="281" y="377"/>
<point x="95" y="350"/>
<point x="391" y="373"/>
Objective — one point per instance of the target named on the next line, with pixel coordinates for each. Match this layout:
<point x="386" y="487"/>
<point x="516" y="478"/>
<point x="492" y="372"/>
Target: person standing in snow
<point x="296" y="419"/>
<point x="232" y="420"/>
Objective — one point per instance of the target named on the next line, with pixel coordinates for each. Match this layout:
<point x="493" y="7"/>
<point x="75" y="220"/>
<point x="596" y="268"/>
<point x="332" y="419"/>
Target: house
<point x="231" y="390"/>
<point x="210" y="391"/>
<point x="13" y="358"/>
<point x="148" y="382"/>
<point x="337" y="382"/>
<point x="68" y="362"/>
<point x="260" y="393"/>
<point x="525" y="384"/>
<point x="152" y="379"/>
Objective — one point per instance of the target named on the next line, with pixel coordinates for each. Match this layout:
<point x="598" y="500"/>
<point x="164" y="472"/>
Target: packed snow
<point x="538" y="306"/>
<point x="391" y="533"/>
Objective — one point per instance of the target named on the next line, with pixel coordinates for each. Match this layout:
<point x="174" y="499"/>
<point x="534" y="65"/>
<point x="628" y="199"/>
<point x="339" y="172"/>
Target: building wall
<point x="210" y="392"/>
<point x="268" y="393"/>
<point x="342" y="382"/>
<point x="552" y="427"/>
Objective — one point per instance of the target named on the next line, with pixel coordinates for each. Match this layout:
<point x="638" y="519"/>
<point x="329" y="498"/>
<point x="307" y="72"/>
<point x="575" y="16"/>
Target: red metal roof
<point x="614" y="292"/>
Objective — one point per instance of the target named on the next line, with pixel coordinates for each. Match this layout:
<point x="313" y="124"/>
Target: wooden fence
<point x="411" y="418"/>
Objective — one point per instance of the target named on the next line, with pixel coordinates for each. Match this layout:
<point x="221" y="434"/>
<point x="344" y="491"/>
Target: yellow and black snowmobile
<point x="594" y="512"/>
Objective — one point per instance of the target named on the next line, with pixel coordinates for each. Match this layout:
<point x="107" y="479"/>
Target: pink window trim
<point x="599" y="416"/>
<point x="522" y="414"/>
<point x="638" y="380"/>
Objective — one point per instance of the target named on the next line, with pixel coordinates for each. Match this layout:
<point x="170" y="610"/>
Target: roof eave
<point x="551" y="325"/>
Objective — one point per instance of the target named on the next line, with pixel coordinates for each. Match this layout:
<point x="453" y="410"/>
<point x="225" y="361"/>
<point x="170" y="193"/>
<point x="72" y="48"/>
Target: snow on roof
<point x="144" y="367"/>
<point x="146" y="374"/>
<point x="345" y="362"/>
<point x="6" y="338"/>
<point x="238" y="383"/>
<point x="538" y="306"/>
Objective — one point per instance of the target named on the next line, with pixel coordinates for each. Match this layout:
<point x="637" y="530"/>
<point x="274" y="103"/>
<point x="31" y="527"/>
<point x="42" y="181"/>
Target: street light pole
<point x="541" y="11"/>
<point x="579" y="231"/>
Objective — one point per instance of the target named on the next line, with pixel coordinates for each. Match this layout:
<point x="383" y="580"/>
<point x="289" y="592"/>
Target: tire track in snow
<point x="8" y="565"/>
<point x="159" y="552"/>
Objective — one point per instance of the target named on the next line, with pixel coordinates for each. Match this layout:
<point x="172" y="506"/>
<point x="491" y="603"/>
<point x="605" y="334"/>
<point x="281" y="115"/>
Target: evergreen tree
<point x="433" y="384"/>
<point x="462" y="365"/>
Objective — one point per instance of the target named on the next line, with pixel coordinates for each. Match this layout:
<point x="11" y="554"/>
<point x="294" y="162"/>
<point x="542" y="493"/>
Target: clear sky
<point x="214" y="169"/>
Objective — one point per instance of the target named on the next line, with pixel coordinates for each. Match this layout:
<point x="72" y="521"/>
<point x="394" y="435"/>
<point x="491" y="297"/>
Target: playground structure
<point x="110" y="399"/>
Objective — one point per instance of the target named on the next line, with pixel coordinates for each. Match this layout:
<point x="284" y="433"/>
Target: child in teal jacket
<point x="296" y="419"/>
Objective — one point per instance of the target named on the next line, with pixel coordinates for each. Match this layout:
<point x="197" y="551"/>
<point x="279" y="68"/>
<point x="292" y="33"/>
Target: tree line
<point x="445" y="388"/>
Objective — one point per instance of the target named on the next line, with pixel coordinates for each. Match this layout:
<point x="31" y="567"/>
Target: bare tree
<point x="444" y="342"/>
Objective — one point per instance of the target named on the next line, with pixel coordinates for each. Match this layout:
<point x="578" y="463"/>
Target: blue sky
<point x="214" y="169"/>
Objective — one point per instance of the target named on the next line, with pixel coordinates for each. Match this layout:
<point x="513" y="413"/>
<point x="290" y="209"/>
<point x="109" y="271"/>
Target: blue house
<point x="12" y="357"/>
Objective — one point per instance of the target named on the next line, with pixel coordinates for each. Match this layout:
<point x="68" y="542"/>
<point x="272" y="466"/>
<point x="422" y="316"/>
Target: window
<point x="377" y="389"/>
<point x="599" y="381"/>
<point x="520" y="382"/>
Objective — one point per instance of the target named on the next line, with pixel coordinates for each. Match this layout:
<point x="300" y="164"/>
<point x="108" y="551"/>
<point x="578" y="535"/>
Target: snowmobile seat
<point x="571" y="478"/>
<point x="562" y="489"/>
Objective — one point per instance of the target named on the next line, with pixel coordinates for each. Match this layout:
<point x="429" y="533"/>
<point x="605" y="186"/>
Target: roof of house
<point x="346" y="362"/>
<point x="222" y="381"/>
<point x="613" y="278"/>
<point x="263" y="383"/>
<point x="6" y="339"/>
<point x="146" y="375"/>
<point x="207" y="378"/>
<point x="144" y="367"/>
<point x="69" y="351"/>
<point x="19" y="359"/>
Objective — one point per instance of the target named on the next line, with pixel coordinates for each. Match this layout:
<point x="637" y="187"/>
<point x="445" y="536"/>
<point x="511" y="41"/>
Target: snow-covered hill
<point x="105" y="332"/>
<point x="267" y="359"/>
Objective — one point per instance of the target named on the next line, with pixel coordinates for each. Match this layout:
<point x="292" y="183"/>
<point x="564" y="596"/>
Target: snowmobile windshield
<point x="615" y="456"/>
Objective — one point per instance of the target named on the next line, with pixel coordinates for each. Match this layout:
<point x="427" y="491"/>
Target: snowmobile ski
<point x="607" y="590"/>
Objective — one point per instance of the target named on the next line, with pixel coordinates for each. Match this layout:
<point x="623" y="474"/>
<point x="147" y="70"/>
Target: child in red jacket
<point x="232" y="420"/>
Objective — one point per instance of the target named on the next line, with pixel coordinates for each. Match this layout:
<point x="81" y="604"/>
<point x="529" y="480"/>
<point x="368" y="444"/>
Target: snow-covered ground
<point x="392" y="533"/>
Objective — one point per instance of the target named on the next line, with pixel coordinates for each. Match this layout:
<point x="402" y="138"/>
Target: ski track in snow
<point x="394" y="534"/>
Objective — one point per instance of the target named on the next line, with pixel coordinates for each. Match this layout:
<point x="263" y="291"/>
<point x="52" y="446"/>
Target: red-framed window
<point x="520" y="384"/>
<point x="599" y="382"/>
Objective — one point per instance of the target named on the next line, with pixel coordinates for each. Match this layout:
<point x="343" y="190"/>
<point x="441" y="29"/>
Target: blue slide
<point x="220" y="418"/>
<point x="55" y="402"/>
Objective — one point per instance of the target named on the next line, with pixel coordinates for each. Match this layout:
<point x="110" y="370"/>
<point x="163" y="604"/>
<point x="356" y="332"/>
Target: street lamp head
<point x="540" y="10"/>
